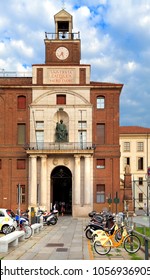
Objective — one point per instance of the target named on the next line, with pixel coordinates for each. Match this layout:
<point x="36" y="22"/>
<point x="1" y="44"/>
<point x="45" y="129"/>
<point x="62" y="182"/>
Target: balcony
<point x="62" y="36"/>
<point x="59" y="148"/>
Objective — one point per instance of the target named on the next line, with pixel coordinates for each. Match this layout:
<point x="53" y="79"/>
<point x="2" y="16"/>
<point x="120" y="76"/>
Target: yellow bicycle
<point x="103" y="242"/>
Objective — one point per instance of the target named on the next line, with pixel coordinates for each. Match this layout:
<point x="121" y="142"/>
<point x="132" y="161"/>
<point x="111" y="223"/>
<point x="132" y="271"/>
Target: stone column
<point x="33" y="181"/>
<point x="87" y="179"/>
<point x="43" y="185"/>
<point x="77" y="178"/>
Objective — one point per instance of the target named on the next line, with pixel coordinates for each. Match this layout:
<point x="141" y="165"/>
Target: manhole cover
<point x="55" y="245"/>
<point x="61" y="249"/>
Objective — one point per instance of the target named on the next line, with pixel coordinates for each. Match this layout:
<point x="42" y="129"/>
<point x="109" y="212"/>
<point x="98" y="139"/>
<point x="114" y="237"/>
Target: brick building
<point x="60" y="131"/>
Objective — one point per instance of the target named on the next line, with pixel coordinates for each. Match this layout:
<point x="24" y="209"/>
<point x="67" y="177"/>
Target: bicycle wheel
<point x="132" y="243"/>
<point x="28" y="231"/>
<point x="102" y="250"/>
<point x="118" y="234"/>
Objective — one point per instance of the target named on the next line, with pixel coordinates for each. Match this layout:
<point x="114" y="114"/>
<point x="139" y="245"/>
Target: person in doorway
<point x="62" y="208"/>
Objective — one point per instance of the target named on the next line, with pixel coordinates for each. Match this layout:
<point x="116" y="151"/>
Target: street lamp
<point x="148" y="189"/>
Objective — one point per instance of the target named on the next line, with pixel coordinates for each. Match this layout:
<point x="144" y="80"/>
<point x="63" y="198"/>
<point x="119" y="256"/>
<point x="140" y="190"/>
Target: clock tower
<point x="63" y="46"/>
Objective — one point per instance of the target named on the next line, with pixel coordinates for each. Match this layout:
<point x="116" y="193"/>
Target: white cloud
<point x="21" y="48"/>
<point x="115" y="40"/>
<point x="130" y="66"/>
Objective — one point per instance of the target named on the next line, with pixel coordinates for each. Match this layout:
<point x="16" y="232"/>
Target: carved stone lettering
<point x="61" y="76"/>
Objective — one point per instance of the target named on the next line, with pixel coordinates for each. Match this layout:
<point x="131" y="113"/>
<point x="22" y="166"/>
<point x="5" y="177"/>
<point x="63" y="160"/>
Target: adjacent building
<point x="134" y="163"/>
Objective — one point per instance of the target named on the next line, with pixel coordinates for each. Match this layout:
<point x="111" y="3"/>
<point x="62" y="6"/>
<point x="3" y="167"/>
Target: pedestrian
<point x="62" y="209"/>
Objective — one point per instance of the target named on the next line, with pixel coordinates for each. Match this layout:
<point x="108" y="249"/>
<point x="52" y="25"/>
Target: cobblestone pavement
<point x="64" y="241"/>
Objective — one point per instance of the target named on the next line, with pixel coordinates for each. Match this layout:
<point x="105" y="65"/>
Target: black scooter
<point x="98" y="222"/>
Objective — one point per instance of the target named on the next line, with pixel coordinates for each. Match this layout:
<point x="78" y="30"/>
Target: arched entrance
<point x="61" y="188"/>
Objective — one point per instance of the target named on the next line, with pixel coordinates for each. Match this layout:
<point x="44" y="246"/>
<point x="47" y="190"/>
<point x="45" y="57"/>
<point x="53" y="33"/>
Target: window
<point x="140" y="181"/>
<point x="0" y="164"/>
<point x="21" y="163"/>
<point x="39" y="125"/>
<point x="82" y="124"/>
<point x="100" y="193"/>
<point x="100" y="131"/>
<point x="40" y="139"/>
<point x="126" y="146"/>
<point x="2" y="214"/>
<point x="60" y="99"/>
<point x="21" y="102"/>
<point x="140" y="197"/>
<point x="140" y="146"/>
<point x="100" y="163"/>
<point x="100" y="102"/>
<point x="140" y="163"/>
<point x="40" y="134"/>
<point x="21" y="134"/>
<point x="82" y="136"/>
<point x="22" y="194"/>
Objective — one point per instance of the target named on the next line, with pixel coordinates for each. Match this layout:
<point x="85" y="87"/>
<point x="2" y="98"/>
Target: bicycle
<point x="103" y="242"/>
<point x="21" y="225"/>
<point x="110" y="231"/>
<point x="27" y="229"/>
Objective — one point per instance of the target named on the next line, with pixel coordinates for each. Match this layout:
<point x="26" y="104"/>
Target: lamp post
<point x="148" y="189"/>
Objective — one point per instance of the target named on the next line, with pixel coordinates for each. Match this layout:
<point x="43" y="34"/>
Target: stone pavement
<point x="64" y="241"/>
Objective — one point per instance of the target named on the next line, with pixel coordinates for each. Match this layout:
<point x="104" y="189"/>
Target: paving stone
<point x="68" y="231"/>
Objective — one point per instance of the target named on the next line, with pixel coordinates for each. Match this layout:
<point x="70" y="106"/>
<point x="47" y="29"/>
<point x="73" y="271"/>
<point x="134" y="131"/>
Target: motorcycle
<point x="49" y="218"/>
<point x="91" y="227"/>
<point x="98" y="222"/>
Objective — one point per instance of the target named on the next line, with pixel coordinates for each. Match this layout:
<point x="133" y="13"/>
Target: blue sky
<point x="115" y="40"/>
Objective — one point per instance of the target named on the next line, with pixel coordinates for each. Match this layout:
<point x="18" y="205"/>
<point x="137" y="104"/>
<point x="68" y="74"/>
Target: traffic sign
<point x="109" y="200"/>
<point x="116" y="200"/>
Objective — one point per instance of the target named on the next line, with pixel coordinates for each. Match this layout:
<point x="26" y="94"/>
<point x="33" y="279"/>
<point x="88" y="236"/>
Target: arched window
<point x="100" y="102"/>
<point x="21" y="104"/>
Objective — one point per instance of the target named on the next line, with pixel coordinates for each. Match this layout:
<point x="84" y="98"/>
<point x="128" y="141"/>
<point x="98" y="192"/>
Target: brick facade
<point x="10" y="151"/>
<point x="95" y="157"/>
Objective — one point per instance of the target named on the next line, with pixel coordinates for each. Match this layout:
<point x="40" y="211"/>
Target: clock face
<point x="62" y="53"/>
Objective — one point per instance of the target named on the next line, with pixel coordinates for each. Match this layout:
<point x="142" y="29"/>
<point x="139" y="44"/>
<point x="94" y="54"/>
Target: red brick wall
<point x="110" y="151"/>
<point x="10" y="151"/>
<point x="74" y="52"/>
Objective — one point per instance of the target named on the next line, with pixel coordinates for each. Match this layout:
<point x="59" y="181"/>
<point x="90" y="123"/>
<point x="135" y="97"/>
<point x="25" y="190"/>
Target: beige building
<point x="135" y="159"/>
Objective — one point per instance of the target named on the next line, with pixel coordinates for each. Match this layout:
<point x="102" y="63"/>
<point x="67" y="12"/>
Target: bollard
<point x="33" y="218"/>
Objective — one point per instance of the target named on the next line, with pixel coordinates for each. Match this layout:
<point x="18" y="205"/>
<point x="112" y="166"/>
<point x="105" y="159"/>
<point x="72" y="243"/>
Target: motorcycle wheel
<point x="52" y="222"/>
<point x="88" y="234"/>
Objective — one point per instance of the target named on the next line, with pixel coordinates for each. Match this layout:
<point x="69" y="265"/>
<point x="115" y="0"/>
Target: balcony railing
<point x="15" y="74"/>
<point x="59" y="146"/>
<point x="62" y="36"/>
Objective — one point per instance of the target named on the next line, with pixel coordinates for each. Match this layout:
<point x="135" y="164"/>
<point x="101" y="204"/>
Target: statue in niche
<point x="127" y="169"/>
<point x="61" y="132"/>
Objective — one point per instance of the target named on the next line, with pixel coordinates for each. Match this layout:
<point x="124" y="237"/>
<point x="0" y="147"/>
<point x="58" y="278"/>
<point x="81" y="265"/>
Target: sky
<point x="115" y="41"/>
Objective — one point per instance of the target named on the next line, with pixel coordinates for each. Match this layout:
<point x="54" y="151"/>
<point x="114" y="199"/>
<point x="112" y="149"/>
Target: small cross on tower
<point x="63" y="4"/>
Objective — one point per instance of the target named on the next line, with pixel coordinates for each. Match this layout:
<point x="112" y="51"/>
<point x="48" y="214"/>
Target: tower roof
<point x="63" y="14"/>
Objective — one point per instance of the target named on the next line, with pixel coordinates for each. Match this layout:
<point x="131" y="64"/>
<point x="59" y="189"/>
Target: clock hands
<point x="61" y="55"/>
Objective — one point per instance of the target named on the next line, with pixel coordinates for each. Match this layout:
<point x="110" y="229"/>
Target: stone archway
<point x="61" y="188"/>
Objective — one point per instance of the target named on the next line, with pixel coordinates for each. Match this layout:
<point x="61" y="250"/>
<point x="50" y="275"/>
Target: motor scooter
<point x="49" y="218"/>
<point x="98" y="222"/>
